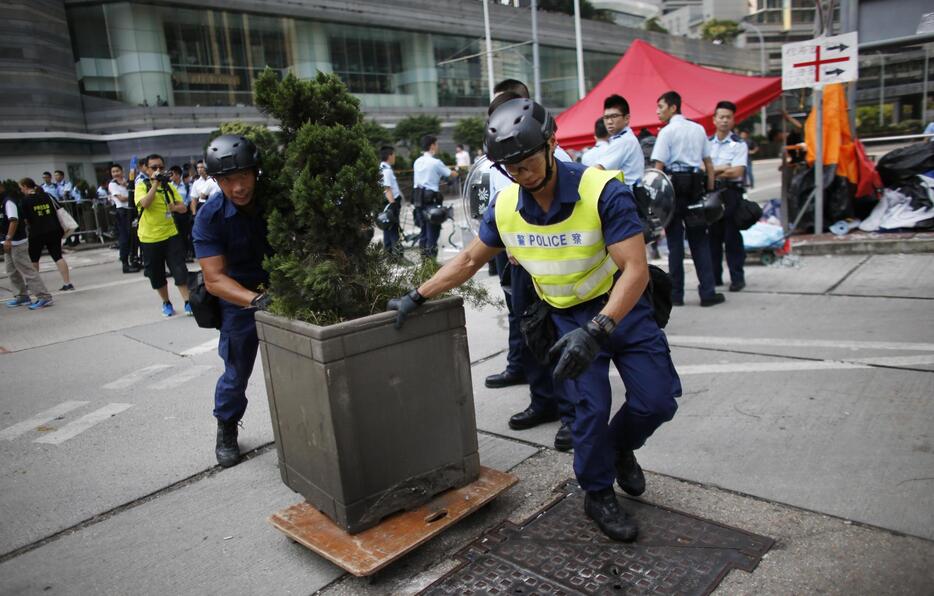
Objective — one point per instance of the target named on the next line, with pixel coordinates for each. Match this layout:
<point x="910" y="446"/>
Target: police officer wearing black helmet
<point x="576" y="230"/>
<point x="230" y="244"/>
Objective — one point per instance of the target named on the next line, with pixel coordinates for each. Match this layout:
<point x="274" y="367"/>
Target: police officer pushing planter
<point x="230" y="243"/>
<point x="577" y="232"/>
<point x="680" y="150"/>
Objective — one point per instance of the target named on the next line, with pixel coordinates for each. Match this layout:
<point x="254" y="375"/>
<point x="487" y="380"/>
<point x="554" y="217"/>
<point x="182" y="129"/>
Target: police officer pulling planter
<point x="230" y="243"/>
<point x="577" y="232"/>
<point x="729" y="155"/>
<point x="680" y="149"/>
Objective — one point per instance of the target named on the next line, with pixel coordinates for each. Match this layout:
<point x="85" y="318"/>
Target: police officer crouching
<point x="680" y="149"/>
<point x="577" y="232"/>
<point x="230" y="244"/>
<point x="729" y="155"/>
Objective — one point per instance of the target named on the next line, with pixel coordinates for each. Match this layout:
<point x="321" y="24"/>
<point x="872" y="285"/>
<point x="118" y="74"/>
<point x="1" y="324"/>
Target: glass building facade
<point x="149" y="55"/>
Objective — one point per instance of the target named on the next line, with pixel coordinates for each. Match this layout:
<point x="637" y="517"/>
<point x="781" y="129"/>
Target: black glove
<point x="261" y="302"/>
<point x="406" y="305"/>
<point x="580" y="347"/>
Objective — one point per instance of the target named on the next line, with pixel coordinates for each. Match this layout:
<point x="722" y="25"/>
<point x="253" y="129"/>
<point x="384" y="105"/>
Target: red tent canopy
<point x="643" y="74"/>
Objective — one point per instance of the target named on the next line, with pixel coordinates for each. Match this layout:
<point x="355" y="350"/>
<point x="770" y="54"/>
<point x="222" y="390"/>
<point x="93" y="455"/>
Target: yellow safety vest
<point x="568" y="260"/>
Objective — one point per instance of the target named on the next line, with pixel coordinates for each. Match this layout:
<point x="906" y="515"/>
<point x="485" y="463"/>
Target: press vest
<point x="568" y="260"/>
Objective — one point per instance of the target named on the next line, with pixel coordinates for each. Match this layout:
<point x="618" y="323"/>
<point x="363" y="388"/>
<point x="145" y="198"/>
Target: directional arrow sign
<point x="820" y="61"/>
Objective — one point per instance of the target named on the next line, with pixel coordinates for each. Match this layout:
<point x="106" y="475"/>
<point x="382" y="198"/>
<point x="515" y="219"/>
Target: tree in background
<point x="724" y="31"/>
<point x="588" y="11"/>
<point x="655" y="25"/>
<point x="410" y="130"/>
<point x="470" y="132"/>
<point x="377" y="134"/>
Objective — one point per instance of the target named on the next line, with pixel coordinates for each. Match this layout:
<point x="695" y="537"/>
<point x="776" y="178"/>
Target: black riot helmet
<point x="516" y="130"/>
<point x="230" y="153"/>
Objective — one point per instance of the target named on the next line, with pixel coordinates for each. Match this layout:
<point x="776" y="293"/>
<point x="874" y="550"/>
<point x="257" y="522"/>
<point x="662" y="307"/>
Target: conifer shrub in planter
<point x="368" y="419"/>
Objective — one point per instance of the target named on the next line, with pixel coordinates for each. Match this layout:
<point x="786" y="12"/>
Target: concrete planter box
<point x="370" y="420"/>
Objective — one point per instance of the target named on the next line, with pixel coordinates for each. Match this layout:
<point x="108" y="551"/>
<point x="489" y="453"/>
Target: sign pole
<point x="819" y="160"/>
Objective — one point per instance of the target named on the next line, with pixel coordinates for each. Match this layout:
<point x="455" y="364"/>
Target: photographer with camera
<point x="159" y="239"/>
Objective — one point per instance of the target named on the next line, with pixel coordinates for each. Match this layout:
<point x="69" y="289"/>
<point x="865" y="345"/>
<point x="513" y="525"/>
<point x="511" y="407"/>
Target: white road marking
<point x="11" y="432"/>
<point x="920" y="359"/>
<point x="798" y="343"/>
<point x="749" y="367"/>
<point x="136" y="376"/>
<point x="180" y="378"/>
<point x="76" y="427"/>
<point x="208" y="346"/>
<point x="109" y="284"/>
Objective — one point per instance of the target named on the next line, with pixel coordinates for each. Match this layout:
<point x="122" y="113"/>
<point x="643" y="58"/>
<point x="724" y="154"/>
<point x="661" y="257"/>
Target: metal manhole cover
<point x="559" y="551"/>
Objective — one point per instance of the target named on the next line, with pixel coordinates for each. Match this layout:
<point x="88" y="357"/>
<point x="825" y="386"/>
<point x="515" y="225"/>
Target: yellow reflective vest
<point x="567" y="260"/>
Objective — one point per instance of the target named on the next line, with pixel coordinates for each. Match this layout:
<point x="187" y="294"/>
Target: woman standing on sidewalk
<point x="44" y="229"/>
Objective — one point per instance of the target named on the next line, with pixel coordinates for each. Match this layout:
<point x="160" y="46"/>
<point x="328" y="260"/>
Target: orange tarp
<point x="839" y="146"/>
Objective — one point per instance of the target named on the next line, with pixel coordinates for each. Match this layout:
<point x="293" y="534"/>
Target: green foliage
<point x="588" y="11"/>
<point x="470" y="131"/>
<point x="320" y="189"/>
<point x="655" y="25"/>
<point x="410" y="130"/>
<point x="377" y="134"/>
<point x="723" y="30"/>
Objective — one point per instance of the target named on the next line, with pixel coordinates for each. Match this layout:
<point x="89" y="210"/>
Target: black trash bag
<point x="901" y="165"/>
<point x="917" y="191"/>
<point x="838" y="198"/>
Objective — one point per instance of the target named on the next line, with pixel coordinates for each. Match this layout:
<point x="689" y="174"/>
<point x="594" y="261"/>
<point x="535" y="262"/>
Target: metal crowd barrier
<point x="95" y="219"/>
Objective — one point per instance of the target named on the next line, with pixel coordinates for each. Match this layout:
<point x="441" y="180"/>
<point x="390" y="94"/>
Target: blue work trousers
<point x="640" y="352"/>
<point x="725" y="233"/>
<point x="545" y="394"/>
<point x="123" y="221"/>
<point x="516" y="344"/>
<point x="237" y="347"/>
<point x="700" y="254"/>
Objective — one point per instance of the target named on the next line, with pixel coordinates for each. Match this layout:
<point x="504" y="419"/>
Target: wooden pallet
<point x="367" y="552"/>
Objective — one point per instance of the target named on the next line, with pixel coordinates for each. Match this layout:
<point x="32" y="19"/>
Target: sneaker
<point x="167" y="310"/>
<point x="40" y="303"/>
<point x="188" y="310"/>
<point x="18" y="301"/>
<point x="67" y="287"/>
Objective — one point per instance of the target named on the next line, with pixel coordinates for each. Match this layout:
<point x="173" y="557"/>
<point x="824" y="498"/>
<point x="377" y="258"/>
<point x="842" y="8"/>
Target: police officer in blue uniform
<point x="680" y="149"/>
<point x="230" y="244"/>
<point x="729" y="155"/>
<point x="577" y="232"/>
<point x="545" y="402"/>
<point x="428" y="172"/>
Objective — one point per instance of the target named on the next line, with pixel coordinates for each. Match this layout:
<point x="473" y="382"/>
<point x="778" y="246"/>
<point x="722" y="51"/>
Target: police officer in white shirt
<point x="680" y="149"/>
<point x="601" y="142"/>
<point x="624" y="152"/>
<point x="729" y="154"/>
<point x="428" y="172"/>
<point x="202" y="188"/>
<point x="393" y="196"/>
<point x="125" y="212"/>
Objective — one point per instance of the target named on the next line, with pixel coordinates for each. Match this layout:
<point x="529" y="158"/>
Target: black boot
<point x="602" y="507"/>
<point x="563" y="438"/>
<point x="227" y="450"/>
<point x="629" y="474"/>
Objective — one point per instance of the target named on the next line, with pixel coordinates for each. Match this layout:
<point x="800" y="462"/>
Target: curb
<point x="863" y="244"/>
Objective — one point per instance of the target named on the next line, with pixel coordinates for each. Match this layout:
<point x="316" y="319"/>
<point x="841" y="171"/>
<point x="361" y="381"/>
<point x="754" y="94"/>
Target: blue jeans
<point x="237" y="347"/>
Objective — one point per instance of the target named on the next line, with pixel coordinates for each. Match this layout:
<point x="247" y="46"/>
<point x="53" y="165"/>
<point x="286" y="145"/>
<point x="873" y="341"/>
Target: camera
<point x="163" y="177"/>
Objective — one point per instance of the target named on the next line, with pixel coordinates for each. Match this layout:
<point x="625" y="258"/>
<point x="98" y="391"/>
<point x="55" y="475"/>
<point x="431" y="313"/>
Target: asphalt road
<point x="810" y="389"/>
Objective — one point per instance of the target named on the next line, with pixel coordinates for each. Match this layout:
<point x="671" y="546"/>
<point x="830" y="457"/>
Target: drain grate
<point x="559" y="551"/>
